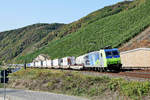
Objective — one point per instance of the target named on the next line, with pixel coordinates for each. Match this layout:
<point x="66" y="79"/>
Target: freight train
<point x="102" y="60"/>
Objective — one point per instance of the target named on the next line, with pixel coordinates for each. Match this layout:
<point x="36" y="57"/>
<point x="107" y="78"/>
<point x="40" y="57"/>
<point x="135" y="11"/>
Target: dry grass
<point x="75" y="83"/>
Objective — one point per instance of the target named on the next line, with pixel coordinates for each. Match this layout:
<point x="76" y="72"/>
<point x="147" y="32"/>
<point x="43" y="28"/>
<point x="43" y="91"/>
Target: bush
<point x="75" y="83"/>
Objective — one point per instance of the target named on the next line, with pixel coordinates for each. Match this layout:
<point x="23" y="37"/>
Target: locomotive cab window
<point x="108" y="54"/>
<point x="115" y="53"/>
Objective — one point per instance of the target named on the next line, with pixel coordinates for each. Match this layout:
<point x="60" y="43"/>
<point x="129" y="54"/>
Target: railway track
<point x="137" y="73"/>
<point x="141" y="74"/>
<point x="144" y="74"/>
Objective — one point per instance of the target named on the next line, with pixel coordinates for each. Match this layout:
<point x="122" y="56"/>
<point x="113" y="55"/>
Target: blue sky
<point x="18" y="13"/>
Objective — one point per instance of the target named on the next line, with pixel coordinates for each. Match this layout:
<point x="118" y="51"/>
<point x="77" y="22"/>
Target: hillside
<point x="142" y="40"/>
<point x="85" y="21"/>
<point x="114" y="30"/>
<point x="26" y="40"/>
<point x="14" y="42"/>
<point x="74" y="39"/>
<point x="91" y="18"/>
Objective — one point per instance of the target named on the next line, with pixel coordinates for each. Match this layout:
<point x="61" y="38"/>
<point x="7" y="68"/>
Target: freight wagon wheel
<point x="97" y="69"/>
<point x="94" y="68"/>
<point x="100" y="70"/>
<point x="104" y="69"/>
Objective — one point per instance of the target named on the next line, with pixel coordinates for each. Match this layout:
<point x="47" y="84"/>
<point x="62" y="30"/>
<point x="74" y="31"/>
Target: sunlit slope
<point x="14" y="42"/>
<point x="83" y="22"/>
<point x="25" y="40"/>
<point x="113" y="30"/>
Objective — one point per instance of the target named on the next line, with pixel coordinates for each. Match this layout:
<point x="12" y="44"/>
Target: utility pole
<point x="25" y="66"/>
<point x="4" y="86"/>
<point x="4" y="79"/>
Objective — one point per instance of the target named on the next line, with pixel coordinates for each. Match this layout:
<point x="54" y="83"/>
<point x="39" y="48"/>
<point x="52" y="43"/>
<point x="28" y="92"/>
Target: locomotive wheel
<point x="101" y="69"/>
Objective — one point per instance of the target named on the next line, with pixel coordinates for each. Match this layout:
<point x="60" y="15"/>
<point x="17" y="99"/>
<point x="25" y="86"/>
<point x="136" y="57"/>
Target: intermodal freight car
<point x="103" y="60"/>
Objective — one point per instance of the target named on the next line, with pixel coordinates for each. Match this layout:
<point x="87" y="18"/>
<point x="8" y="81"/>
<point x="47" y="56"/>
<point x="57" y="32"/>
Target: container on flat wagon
<point x="56" y="63"/>
<point x="73" y="60"/>
<point x="67" y="61"/>
<point x="45" y="63"/>
<point x="36" y="64"/>
<point x="49" y="63"/>
<point x="93" y="59"/>
<point x="32" y="64"/>
<point x="40" y="64"/>
<point x="80" y="60"/>
<point x="28" y="65"/>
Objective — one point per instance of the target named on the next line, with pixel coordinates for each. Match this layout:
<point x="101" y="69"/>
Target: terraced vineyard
<point x="113" y="30"/>
<point x="21" y="41"/>
<point x="112" y="25"/>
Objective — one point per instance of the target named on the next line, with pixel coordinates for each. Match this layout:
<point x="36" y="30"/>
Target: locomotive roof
<point x="110" y="49"/>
